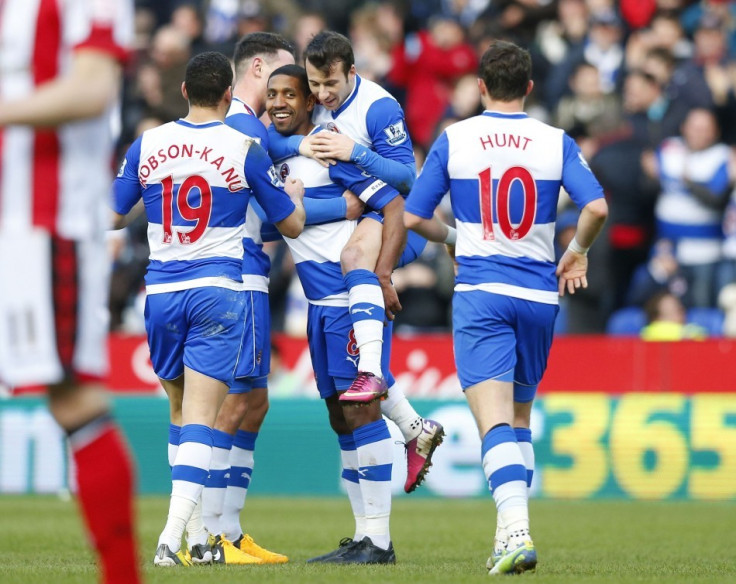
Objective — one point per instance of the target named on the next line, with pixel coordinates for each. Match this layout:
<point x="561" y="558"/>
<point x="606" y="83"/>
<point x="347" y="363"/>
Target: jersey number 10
<point x="199" y="214"/>
<point x="503" y="197"/>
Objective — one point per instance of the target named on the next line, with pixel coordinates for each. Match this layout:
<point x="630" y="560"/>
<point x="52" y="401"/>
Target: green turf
<point x="436" y="541"/>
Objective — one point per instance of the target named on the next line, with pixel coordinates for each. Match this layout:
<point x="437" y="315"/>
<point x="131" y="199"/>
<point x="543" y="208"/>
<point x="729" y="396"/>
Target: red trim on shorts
<point x="46" y="148"/>
<point x="65" y="291"/>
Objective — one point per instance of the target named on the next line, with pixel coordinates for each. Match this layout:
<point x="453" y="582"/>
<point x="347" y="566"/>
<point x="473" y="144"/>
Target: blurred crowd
<point x="646" y="87"/>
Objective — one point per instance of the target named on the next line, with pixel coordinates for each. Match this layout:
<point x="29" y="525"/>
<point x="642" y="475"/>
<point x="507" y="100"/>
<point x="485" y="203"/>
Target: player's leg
<point x="522" y="429"/>
<point x="77" y="295"/>
<point x="242" y="461"/>
<point x="367" y="310"/>
<point x="375" y="461"/>
<point x="485" y="354"/>
<point x="325" y="358"/>
<point x="184" y="320"/>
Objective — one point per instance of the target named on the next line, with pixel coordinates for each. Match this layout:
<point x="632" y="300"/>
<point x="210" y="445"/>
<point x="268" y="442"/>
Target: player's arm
<point x="393" y="241"/>
<point x="587" y="193"/>
<point x="282" y="204"/>
<point x="393" y="158"/>
<point x="126" y="188"/>
<point x="425" y="196"/>
<point x="92" y="84"/>
<point x="280" y="146"/>
<point x="250" y="126"/>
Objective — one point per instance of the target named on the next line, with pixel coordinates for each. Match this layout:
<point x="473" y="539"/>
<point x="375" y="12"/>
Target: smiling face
<point x="331" y="88"/>
<point x="287" y="105"/>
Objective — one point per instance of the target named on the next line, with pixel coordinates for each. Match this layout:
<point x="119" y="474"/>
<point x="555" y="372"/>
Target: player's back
<point x="196" y="194"/>
<point x="316" y="251"/>
<point x="505" y="173"/>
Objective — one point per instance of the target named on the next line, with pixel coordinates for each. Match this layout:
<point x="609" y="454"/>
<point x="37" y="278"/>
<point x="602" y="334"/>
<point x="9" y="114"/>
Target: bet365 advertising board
<point x="614" y="418"/>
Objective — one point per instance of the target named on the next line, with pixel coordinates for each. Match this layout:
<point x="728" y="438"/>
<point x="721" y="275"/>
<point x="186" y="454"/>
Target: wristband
<point x="577" y="248"/>
<point x="451" y="236"/>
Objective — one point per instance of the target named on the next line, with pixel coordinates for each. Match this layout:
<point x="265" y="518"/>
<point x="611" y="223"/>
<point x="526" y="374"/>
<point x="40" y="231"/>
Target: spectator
<point x="666" y="320"/>
<point x="587" y="103"/>
<point x="427" y="64"/>
<point x="661" y="273"/>
<point x="693" y="175"/>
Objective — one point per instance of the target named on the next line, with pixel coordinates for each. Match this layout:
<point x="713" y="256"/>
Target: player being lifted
<point x="365" y="444"/>
<point x="195" y="177"/>
<point x="367" y="129"/>
<point x="504" y="171"/>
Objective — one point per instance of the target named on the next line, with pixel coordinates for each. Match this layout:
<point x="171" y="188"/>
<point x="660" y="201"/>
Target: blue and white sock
<point x="524" y="438"/>
<point x="188" y="476"/>
<point x="351" y="481"/>
<point x="213" y="494"/>
<point x="365" y="301"/>
<point x="241" y="470"/>
<point x="375" y="458"/>
<point x="174" y="433"/>
<point x="503" y="465"/>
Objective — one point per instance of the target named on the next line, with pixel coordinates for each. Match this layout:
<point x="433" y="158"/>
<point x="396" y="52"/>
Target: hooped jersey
<point x="504" y="173"/>
<point x="196" y="181"/>
<point x="372" y="117"/>
<point x="256" y="263"/>
<point x="695" y="228"/>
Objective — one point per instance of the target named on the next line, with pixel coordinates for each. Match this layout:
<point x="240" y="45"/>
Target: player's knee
<point x="351" y="257"/>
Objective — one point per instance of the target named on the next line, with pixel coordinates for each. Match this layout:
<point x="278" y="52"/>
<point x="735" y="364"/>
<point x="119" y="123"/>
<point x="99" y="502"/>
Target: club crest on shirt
<point x="284" y="171"/>
<point x="274" y="176"/>
<point x="332" y="127"/>
<point x="396" y="134"/>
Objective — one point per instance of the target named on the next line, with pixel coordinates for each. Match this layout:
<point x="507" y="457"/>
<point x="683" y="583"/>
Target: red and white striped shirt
<point x="57" y="179"/>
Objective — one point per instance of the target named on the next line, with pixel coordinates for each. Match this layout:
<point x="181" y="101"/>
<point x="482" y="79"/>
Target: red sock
<point x="105" y="484"/>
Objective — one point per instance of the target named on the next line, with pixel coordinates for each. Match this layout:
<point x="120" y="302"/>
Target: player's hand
<point x="390" y="298"/>
<point x="571" y="272"/>
<point x="332" y="146"/>
<point x="294" y="187"/>
<point x="354" y="205"/>
<point x="305" y="149"/>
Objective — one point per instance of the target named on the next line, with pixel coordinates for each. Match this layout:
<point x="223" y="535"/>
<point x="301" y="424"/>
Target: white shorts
<point x="53" y="308"/>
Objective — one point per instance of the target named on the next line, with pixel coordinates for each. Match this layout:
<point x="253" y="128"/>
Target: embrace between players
<point x="332" y="175"/>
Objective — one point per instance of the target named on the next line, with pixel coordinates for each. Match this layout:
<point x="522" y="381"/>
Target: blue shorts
<point x="501" y="338"/>
<point x="254" y="364"/>
<point x="201" y="328"/>
<point x="333" y="349"/>
<point x="415" y="243"/>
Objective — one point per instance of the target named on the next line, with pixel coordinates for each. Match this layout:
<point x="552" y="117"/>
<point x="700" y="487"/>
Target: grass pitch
<point x="436" y="541"/>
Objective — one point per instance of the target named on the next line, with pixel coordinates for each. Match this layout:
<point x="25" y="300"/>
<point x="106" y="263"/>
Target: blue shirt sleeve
<point x="250" y="126"/>
<point x="127" y="189"/>
<point x="432" y="183"/>
<point x="266" y="185"/>
<point x="577" y="178"/>
<point x="392" y="157"/>
<point x="324" y="210"/>
<point x="269" y="232"/>
<point x="280" y="147"/>
<point x="719" y="183"/>
<point x="372" y="191"/>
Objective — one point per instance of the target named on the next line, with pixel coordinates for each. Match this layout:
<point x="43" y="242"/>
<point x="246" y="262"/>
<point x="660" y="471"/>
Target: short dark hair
<point x="506" y="69"/>
<point x="297" y="72"/>
<point x="260" y="43"/>
<point x="329" y="47"/>
<point x="207" y="78"/>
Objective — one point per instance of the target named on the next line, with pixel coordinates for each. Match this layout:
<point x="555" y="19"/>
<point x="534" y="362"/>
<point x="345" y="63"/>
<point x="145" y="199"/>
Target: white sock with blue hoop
<point x="365" y="301"/>
<point x="375" y="460"/>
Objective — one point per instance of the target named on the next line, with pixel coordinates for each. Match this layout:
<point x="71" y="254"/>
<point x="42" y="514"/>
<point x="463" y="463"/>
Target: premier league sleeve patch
<point x="396" y="134"/>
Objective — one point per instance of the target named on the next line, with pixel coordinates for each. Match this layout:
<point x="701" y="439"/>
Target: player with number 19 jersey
<point x="504" y="173"/>
<point x="196" y="181"/>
